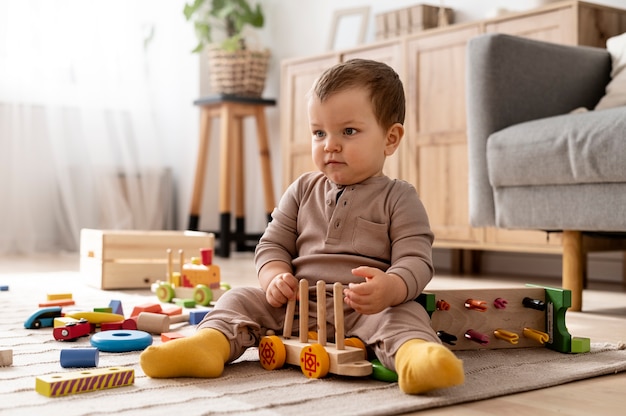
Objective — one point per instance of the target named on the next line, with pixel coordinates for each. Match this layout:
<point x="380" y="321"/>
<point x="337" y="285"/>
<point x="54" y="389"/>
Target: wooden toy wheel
<point x="314" y="361"/>
<point x="165" y="292"/>
<point x="272" y="352"/>
<point x="203" y="295"/>
<point x="225" y="286"/>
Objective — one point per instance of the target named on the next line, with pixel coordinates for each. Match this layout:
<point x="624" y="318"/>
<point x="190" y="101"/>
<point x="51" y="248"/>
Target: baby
<point x="347" y="223"/>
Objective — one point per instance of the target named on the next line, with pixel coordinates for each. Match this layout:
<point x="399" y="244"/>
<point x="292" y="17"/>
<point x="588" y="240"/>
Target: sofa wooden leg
<point x="573" y="263"/>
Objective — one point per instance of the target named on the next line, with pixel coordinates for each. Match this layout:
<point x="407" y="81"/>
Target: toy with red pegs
<point x="531" y="316"/>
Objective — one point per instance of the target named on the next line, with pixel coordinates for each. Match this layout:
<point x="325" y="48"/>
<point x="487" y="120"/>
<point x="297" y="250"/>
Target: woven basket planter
<point x="238" y="73"/>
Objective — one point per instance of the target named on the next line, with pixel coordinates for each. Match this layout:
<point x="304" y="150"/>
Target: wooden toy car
<point x="72" y="330"/>
<point x="43" y="317"/>
<point x="198" y="280"/>
<point x="318" y="358"/>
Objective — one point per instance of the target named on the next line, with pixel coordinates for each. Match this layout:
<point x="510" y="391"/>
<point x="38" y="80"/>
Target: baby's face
<point x="348" y="144"/>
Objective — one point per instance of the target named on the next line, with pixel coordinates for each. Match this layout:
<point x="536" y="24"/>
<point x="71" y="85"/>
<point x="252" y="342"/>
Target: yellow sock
<point x="423" y="366"/>
<point x="201" y="355"/>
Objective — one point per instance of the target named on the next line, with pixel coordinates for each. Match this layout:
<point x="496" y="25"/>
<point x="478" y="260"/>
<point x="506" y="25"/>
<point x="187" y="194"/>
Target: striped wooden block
<point x="62" y="384"/>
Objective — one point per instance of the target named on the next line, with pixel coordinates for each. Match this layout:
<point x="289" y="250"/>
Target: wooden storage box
<point x="409" y="20"/>
<point x="116" y="259"/>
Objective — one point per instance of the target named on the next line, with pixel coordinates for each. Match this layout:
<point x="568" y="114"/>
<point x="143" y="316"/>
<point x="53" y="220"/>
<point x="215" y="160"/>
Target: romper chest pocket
<point x="371" y="239"/>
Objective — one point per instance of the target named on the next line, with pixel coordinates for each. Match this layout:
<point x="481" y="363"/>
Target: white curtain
<point x="80" y="146"/>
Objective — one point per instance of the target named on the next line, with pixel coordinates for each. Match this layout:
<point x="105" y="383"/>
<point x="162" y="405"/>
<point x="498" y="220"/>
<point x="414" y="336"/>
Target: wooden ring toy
<point x="123" y="340"/>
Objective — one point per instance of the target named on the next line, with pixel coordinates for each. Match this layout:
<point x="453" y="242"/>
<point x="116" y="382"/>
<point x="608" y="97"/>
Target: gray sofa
<point x="534" y="162"/>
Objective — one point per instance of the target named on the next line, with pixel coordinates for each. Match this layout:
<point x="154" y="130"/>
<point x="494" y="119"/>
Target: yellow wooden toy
<point x="62" y="384"/>
<point x="320" y="357"/>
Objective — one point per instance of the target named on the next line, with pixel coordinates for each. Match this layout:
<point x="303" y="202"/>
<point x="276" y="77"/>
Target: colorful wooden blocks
<point x="62" y="384"/>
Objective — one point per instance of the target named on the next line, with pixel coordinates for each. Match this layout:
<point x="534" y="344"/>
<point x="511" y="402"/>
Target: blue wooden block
<point x="195" y="317"/>
<point x="116" y="307"/>
<point x="79" y="357"/>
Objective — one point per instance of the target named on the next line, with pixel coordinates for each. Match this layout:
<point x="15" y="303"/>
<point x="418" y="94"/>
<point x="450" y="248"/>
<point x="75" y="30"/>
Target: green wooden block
<point x="185" y="303"/>
<point x="107" y="310"/>
<point x="581" y="345"/>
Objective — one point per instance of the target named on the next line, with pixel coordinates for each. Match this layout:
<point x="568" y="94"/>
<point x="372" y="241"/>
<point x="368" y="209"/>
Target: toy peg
<point x="170" y="268"/>
<point x="288" y="326"/>
<point x="320" y="287"/>
<point x="505" y="335"/>
<point x="339" y="321"/>
<point x="476" y="336"/>
<point x="534" y="304"/>
<point x="447" y="338"/>
<point x="304" y="310"/>
<point x="539" y="336"/>
<point x="442" y="305"/>
<point x="500" y="303"/>
<point x="476" y="305"/>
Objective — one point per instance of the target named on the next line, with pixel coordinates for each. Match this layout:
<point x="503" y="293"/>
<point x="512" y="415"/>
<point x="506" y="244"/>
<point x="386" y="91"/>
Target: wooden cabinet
<point x="433" y="156"/>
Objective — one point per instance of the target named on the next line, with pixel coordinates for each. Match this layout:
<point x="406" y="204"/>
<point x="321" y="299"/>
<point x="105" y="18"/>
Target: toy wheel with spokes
<point x="272" y="352"/>
<point x="314" y="361"/>
<point x="203" y="295"/>
<point x="165" y="292"/>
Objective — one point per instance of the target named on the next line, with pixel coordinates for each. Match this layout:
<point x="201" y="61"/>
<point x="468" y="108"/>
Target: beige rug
<point x="245" y="387"/>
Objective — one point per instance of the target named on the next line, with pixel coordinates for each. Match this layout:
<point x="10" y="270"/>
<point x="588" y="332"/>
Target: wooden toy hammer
<point x="157" y="323"/>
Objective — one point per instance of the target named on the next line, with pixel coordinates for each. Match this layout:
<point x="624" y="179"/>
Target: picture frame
<point x="348" y="28"/>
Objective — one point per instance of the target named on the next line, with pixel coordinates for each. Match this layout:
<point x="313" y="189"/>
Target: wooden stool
<point x="231" y="110"/>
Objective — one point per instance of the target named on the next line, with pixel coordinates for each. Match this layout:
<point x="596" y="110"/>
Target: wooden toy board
<point x="514" y="317"/>
<point x="124" y="259"/>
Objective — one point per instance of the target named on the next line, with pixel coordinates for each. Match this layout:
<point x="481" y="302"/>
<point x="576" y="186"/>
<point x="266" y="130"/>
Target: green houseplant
<point x="234" y="68"/>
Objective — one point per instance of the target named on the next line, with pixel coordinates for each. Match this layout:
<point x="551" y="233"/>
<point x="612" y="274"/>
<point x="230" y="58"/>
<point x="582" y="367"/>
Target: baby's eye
<point x="318" y="134"/>
<point x="349" y="131"/>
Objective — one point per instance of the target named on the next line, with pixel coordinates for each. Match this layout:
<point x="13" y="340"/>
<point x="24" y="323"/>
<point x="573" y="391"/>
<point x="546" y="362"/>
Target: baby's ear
<point x="393" y="138"/>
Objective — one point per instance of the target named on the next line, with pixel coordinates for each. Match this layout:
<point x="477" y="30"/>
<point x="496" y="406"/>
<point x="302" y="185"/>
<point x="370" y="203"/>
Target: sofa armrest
<point x="513" y="79"/>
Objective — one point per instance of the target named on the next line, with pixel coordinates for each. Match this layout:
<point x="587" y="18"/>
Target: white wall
<point x="294" y="28"/>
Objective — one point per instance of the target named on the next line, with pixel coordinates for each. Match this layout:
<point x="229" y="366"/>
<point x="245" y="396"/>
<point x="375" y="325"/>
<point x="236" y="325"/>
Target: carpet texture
<point x="246" y="388"/>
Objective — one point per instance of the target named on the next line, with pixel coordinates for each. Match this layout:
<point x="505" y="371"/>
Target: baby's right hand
<point x="282" y="288"/>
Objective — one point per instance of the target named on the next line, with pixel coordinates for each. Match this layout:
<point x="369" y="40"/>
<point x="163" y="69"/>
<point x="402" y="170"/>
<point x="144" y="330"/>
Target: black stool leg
<point x="225" y="236"/>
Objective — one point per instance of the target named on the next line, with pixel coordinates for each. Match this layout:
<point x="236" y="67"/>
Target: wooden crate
<point x="116" y="259"/>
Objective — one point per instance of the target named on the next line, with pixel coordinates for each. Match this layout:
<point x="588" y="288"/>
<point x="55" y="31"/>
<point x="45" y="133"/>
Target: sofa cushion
<point x="616" y="89"/>
<point x="563" y="150"/>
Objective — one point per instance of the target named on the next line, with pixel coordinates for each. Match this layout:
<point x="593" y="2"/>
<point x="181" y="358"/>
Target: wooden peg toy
<point x="321" y="357"/>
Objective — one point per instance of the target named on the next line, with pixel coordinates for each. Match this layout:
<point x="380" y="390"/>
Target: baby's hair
<point x="382" y="82"/>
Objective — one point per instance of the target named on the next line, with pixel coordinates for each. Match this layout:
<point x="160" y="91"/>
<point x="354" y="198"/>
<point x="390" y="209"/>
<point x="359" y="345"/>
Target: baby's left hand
<point x="379" y="291"/>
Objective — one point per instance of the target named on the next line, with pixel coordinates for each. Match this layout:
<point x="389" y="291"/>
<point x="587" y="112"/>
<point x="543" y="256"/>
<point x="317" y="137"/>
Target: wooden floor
<point x="603" y="320"/>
